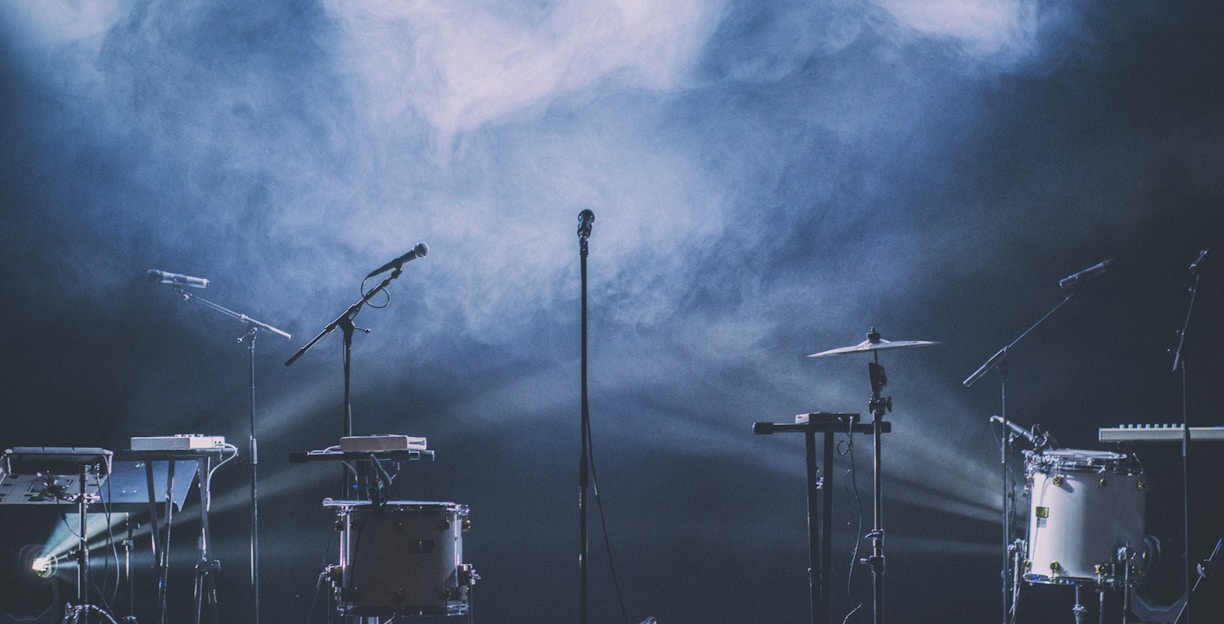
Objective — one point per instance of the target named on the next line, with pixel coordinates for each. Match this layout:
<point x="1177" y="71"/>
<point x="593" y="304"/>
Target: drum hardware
<point x="878" y="405"/>
<point x="1085" y="505"/>
<point x="401" y="558"/>
<point x="1085" y="523"/>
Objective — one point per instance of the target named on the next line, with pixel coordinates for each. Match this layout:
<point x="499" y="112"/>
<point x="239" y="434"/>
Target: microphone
<point x="1088" y="273"/>
<point x="420" y="251"/>
<point x="1044" y="439"/>
<point x="585" y="219"/>
<point x="176" y="279"/>
<point x="1194" y="266"/>
<point x="1017" y="429"/>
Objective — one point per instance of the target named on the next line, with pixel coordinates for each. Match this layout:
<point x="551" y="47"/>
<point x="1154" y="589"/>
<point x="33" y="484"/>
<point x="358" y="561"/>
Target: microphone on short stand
<point x="585" y="219"/>
<point x="419" y="251"/>
<point x="1088" y="273"/>
<point x="164" y="277"/>
<point x="1194" y="266"/>
<point x="1017" y="429"/>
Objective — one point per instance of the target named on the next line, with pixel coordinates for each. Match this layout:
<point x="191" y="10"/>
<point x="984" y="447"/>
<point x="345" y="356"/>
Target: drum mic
<point x="1017" y="429"/>
<point x="1044" y="439"/>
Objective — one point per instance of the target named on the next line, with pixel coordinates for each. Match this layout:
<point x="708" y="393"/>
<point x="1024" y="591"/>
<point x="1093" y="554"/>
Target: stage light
<point x="36" y="564"/>
<point x="44" y="567"/>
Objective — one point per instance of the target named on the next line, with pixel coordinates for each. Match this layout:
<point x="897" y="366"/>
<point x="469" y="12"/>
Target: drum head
<point x="1075" y="459"/>
<point x="1078" y="455"/>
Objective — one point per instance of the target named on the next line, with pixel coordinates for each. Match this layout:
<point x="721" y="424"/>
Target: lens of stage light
<point x="44" y="566"/>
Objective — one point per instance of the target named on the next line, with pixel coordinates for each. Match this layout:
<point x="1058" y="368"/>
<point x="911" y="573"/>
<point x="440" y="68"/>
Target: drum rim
<point x="1084" y="454"/>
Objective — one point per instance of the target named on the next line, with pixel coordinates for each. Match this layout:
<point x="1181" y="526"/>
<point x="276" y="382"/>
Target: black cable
<point x="852" y="475"/>
<point x="319" y="585"/>
<point x="110" y="539"/>
<point x="604" y="526"/>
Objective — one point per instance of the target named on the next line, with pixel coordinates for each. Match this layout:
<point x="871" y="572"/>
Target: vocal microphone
<point x="176" y="279"/>
<point x="1088" y="273"/>
<point x="1194" y="266"/>
<point x="419" y="251"/>
<point x="1017" y="429"/>
<point x="585" y="219"/>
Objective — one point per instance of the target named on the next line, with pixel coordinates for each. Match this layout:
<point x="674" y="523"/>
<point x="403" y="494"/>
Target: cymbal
<point x="875" y="343"/>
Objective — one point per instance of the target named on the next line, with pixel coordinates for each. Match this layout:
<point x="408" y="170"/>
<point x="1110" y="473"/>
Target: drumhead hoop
<point x="1078" y="459"/>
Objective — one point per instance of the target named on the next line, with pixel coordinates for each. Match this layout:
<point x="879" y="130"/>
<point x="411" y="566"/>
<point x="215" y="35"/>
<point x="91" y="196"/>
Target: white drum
<point x="407" y="559"/>
<point x="1085" y="506"/>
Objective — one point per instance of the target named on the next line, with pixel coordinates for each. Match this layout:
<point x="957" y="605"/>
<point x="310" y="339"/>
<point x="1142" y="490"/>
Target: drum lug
<point x="467" y="575"/>
<point x="1057" y="480"/>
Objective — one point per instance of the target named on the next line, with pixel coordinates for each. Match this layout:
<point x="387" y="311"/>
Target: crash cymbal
<point x="875" y="343"/>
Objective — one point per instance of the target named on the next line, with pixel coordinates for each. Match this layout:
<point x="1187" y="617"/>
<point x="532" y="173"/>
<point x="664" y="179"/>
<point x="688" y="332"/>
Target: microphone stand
<point x="253" y="327"/>
<point x="998" y="360"/>
<point x="345" y="323"/>
<point x="1179" y="365"/>
<point x="584" y="461"/>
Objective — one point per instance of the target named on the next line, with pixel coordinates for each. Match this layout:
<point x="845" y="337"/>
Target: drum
<point x="406" y="559"/>
<point x="1084" y="507"/>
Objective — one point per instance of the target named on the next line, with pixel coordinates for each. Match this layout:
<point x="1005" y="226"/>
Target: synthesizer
<point x="1159" y="433"/>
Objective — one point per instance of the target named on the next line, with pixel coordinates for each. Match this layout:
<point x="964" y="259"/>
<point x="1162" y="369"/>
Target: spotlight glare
<point x="45" y="566"/>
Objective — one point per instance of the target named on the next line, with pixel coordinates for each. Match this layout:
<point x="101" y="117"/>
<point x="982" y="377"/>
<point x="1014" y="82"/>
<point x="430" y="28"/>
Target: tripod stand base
<point x="79" y="614"/>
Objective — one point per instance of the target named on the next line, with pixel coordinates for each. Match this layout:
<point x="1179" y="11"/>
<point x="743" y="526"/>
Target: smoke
<point x="770" y="179"/>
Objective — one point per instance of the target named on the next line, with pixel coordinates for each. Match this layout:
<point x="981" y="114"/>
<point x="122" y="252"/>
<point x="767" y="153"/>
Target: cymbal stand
<point x="1179" y="365"/>
<point x="998" y="360"/>
<point x="878" y="405"/>
<point x="253" y="327"/>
